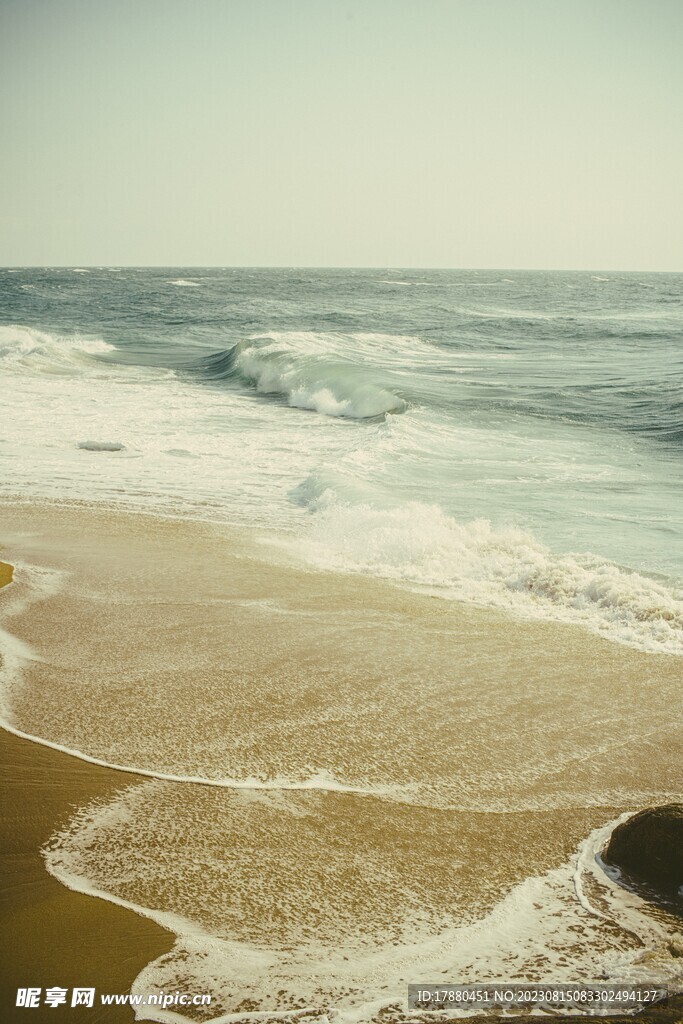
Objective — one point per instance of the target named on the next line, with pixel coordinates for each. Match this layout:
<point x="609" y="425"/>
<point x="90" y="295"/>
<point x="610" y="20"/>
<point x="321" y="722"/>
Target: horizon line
<point x="323" y="266"/>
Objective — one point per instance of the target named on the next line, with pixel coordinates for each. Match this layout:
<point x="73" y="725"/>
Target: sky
<point x="393" y="133"/>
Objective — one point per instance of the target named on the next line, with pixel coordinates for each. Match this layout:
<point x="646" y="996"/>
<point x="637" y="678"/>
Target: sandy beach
<point x="59" y="936"/>
<point x="354" y="834"/>
<point x="56" y="936"/>
<point x="67" y="938"/>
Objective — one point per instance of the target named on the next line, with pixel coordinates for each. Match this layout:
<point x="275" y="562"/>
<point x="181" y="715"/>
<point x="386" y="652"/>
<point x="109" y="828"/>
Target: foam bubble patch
<point x="506" y="567"/>
<point x="271" y="921"/>
<point x="25" y="349"/>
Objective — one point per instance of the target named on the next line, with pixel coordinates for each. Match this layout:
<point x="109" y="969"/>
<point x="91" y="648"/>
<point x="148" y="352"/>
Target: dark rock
<point x="649" y="846"/>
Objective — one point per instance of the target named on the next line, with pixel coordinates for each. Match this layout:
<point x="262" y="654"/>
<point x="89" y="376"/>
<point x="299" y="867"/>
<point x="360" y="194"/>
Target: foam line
<point x="181" y="927"/>
<point x="515" y="921"/>
<point x="314" y="783"/>
<point x="14" y="652"/>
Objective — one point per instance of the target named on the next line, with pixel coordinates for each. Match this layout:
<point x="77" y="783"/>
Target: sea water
<point x="355" y="784"/>
<point x="508" y="438"/>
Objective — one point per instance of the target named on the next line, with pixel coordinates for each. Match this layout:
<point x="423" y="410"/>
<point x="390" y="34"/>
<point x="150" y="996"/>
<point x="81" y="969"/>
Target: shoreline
<point x="58" y="932"/>
<point x="60" y="936"/>
<point x="45" y="785"/>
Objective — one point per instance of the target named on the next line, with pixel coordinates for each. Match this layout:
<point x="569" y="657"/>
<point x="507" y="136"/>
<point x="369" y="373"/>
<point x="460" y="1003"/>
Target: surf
<point x="301" y="370"/>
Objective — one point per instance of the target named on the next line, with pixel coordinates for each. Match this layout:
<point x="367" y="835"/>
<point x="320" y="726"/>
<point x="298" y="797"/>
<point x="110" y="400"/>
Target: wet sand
<point x="275" y="671"/>
<point x="6" y="573"/>
<point x="113" y="557"/>
<point x="51" y="935"/>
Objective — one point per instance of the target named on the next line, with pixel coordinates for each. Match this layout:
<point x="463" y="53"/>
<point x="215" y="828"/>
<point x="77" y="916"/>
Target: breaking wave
<point x="309" y="373"/>
<point x="25" y="349"/>
<point x="420" y="544"/>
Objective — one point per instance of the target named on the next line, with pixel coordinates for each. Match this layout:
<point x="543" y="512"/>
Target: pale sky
<point x="407" y="133"/>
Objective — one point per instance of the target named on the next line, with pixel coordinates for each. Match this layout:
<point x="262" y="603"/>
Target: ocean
<point x="506" y="438"/>
<point x="391" y="638"/>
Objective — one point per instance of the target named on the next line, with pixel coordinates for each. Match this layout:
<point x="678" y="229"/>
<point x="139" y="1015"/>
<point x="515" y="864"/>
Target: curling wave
<point x="310" y="373"/>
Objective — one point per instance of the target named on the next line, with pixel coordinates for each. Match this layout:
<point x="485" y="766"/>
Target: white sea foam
<point x="248" y="456"/>
<point x="181" y="282"/>
<point x="573" y="922"/>
<point x="313" y="372"/>
<point x="419" y="544"/>
<point x="228" y="473"/>
<point x="25" y="349"/>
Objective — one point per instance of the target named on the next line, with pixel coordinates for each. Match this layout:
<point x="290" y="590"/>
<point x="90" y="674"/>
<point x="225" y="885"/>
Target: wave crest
<point x="307" y="371"/>
<point x="507" y="567"/>
<point x="25" y="348"/>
